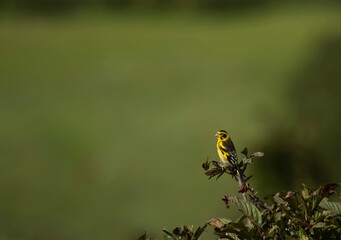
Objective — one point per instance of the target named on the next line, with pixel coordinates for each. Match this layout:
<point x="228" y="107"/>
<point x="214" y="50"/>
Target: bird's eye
<point x="224" y="135"/>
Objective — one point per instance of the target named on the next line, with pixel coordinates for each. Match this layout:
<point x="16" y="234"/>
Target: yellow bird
<point x="226" y="149"/>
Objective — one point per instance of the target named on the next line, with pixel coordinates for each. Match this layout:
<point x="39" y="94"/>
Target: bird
<point x="228" y="155"/>
<point x="226" y="150"/>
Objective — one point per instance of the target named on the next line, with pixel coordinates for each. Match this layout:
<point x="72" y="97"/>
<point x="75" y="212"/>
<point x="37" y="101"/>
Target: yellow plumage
<point x="226" y="150"/>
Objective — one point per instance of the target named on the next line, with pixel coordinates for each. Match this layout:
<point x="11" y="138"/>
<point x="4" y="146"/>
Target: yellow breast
<point x="221" y="154"/>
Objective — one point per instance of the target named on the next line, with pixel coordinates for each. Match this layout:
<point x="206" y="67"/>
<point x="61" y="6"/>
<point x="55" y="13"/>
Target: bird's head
<point x="222" y="135"/>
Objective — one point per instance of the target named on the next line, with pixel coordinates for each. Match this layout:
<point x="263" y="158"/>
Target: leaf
<point x="165" y="236"/>
<point x="284" y="206"/>
<point x="326" y="189"/>
<point x="248" y="209"/>
<point x="290" y="194"/>
<point x="247" y="161"/>
<point x="240" y="219"/>
<point x="305" y="192"/>
<point x="302" y="234"/>
<point x="219" y="222"/>
<point x="274" y="227"/>
<point x="213" y="171"/>
<point x="332" y="206"/>
<point x="143" y="237"/>
<point x="257" y="154"/>
<point x="231" y="236"/>
<point x="244" y="152"/>
<point x="199" y="231"/>
<point x="238" y="230"/>
<point x="315" y="201"/>
<point x="178" y="231"/>
<point x="206" y="165"/>
<point x="278" y="216"/>
<point x="280" y="201"/>
<point x="323" y="191"/>
<point x="319" y="225"/>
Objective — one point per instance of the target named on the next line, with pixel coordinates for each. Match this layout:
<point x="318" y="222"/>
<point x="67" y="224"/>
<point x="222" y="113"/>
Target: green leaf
<point x="240" y="219"/>
<point x="235" y="230"/>
<point x="199" y="231"/>
<point x="144" y="236"/>
<point x="305" y="192"/>
<point x="332" y="206"/>
<point x="318" y="215"/>
<point x="247" y="161"/>
<point x="315" y="201"/>
<point x="278" y="216"/>
<point x="273" y="229"/>
<point x="248" y="209"/>
<point x="167" y="235"/>
<point x="319" y="225"/>
<point x="302" y="234"/>
<point x="231" y="236"/>
<point x="279" y="200"/>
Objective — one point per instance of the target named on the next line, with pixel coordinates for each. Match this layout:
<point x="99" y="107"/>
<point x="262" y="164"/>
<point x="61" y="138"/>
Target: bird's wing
<point x="230" y="149"/>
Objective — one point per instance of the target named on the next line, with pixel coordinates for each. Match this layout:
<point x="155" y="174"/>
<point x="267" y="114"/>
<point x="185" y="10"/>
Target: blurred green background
<point x="109" y="108"/>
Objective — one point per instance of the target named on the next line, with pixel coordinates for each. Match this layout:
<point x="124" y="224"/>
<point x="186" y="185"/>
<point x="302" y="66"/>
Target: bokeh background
<point x="109" y="108"/>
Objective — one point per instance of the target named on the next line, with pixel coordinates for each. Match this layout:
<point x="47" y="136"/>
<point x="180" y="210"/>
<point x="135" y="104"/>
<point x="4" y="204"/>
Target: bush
<point x="305" y="214"/>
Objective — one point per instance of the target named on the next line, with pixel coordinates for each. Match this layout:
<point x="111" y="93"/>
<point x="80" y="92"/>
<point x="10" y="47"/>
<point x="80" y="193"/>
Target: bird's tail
<point x="234" y="162"/>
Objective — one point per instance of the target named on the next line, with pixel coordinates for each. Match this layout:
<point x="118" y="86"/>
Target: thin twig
<point x="241" y="183"/>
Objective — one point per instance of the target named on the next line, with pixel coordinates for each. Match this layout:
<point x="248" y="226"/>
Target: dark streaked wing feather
<point x="230" y="150"/>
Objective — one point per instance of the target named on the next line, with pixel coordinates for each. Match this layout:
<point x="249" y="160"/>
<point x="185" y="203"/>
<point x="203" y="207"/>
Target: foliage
<point x="306" y="214"/>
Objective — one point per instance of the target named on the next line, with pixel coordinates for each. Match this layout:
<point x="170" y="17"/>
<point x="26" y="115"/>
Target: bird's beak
<point x="217" y="135"/>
